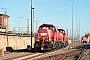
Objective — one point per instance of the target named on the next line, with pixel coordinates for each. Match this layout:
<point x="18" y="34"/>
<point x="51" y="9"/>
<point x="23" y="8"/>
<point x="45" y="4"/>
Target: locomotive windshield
<point x="47" y="28"/>
<point x="61" y="30"/>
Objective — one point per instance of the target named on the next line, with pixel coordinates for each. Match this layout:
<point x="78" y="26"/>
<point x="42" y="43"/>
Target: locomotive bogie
<point x="84" y="41"/>
<point x="43" y="45"/>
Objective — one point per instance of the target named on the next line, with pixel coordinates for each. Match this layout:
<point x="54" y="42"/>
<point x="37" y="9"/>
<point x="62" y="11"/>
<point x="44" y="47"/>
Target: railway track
<point x="36" y="55"/>
<point x="5" y="53"/>
<point x="21" y="57"/>
<point x="71" y="55"/>
<point x="85" y="55"/>
<point x="78" y="54"/>
<point x="60" y="54"/>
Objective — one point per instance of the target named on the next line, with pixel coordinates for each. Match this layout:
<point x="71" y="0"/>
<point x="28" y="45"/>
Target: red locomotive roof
<point x="60" y="29"/>
<point x="46" y="25"/>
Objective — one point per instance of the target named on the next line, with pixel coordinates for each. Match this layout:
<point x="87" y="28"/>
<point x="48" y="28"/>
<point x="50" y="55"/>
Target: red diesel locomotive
<point x="50" y="38"/>
<point x="86" y="38"/>
<point x="63" y="38"/>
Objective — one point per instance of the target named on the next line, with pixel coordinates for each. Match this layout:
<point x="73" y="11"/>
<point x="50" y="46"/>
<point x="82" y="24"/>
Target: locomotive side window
<point x="63" y="31"/>
<point x="43" y="28"/>
<point x="60" y="31"/>
<point x="54" y="29"/>
<point x="49" y="28"/>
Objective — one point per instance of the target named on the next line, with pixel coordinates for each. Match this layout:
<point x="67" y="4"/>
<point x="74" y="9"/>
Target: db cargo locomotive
<point x="50" y="38"/>
<point x="86" y="38"/>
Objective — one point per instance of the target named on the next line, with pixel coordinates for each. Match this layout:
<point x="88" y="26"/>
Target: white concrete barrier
<point x="16" y="42"/>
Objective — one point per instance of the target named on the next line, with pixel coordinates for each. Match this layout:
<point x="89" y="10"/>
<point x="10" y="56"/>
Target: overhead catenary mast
<point x="27" y="25"/>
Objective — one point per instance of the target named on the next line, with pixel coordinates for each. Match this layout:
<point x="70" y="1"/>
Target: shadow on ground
<point x="28" y="49"/>
<point x="83" y="46"/>
<point x="10" y="49"/>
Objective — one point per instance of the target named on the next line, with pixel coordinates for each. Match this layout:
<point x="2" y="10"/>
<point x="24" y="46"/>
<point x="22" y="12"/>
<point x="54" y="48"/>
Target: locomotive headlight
<point x="38" y="40"/>
<point x="47" y="40"/>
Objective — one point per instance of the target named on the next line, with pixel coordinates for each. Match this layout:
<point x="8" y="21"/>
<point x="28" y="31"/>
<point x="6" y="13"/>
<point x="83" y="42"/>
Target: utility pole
<point x="31" y="24"/>
<point x="19" y="25"/>
<point x="70" y="33"/>
<point x="72" y="23"/>
<point x="79" y="27"/>
<point x="36" y="25"/>
<point x="14" y="30"/>
<point x="75" y="35"/>
<point x="76" y="24"/>
<point x="27" y="25"/>
<point x="33" y="19"/>
<point x="67" y="31"/>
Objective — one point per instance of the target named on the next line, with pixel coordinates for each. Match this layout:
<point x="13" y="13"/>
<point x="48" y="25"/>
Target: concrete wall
<point x="3" y="42"/>
<point x="16" y="42"/>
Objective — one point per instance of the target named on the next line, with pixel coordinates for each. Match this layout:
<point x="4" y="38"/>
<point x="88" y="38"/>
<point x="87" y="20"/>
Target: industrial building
<point x="4" y="23"/>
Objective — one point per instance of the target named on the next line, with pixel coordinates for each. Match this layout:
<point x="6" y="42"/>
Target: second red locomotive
<point x="86" y="38"/>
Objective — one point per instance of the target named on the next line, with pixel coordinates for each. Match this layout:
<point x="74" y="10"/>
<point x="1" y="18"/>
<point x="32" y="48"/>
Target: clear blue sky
<point x="56" y="12"/>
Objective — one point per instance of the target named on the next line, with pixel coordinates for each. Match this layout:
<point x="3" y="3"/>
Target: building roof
<point x="4" y="15"/>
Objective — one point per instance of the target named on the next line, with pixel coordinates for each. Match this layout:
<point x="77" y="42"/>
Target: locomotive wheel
<point x="57" y="45"/>
<point x="36" y="49"/>
<point x="60" y="45"/>
<point x="37" y="46"/>
<point x="52" y="48"/>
